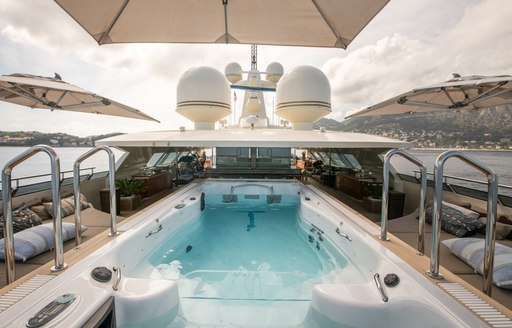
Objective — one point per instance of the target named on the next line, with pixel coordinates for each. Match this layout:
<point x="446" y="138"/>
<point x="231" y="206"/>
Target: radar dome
<point x="303" y="96"/>
<point x="274" y="72"/>
<point x="203" y="96"/>
<point x="233" y="72"/>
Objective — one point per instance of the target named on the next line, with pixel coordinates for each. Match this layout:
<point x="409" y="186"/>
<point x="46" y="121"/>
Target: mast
<point x="254" y="57"/>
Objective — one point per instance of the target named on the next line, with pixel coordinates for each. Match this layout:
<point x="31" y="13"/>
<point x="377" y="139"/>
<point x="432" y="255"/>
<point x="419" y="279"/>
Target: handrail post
<point x="492" y="203"/>
<point x="7" y="209"/>
<point x="112" y="188"/>
<point x="385" y="198"/>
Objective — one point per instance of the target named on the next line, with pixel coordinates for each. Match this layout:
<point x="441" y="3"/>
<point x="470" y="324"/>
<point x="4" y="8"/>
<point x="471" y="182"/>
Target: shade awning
<point x="317" y="23"/>
<point x="55" y="94"/>
<point x="459" y="93"/>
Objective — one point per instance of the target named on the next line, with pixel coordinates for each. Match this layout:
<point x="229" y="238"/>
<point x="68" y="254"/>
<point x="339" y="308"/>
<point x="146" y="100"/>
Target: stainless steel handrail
<point x="490" y="232"/>
<point x="385" y="198"/>
<point x="29" y="177"/>
<point x="112" y="187"/>
<point x="454" y="177"/>
<point x="157" y="230"/>
<point x="118" y="278"/>
<point x="381" y="290"/>
<point x="7" y="208"/>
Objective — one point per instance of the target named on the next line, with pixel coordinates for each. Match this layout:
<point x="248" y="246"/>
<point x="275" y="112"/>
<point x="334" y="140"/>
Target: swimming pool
<point x="248" y="252"/>
<point x="260" y="253"/>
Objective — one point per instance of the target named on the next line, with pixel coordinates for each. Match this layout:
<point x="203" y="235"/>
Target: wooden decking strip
<point x="18" y="293"/>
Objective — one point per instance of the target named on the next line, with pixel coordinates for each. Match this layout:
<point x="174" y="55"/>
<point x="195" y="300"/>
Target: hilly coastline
<point x="467" y="129"/>
<point x="474" y="129"/>
<point x="32" y="138"/>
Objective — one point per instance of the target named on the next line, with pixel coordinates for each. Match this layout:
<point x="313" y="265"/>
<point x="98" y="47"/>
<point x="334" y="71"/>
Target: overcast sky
<point x="409" y="44"/>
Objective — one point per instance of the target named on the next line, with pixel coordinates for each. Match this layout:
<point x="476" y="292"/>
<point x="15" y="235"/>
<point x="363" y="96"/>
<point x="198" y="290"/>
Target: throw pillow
<point x="22" y="218"/>
<point x="67" y="206"/>
<point x="471" y="251"/>
<point x="36" y="240"/>
<point x="41" y="212"/>
<point x="456" y="222"/>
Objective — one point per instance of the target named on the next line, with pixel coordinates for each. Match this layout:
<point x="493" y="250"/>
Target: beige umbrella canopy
<point x="318" y="23"/>
<point x="55" y="94"/>
<point x="469" y="92"/>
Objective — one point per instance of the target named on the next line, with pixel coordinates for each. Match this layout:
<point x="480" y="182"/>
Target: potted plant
<point x="374" y="200"/>
<point x="130" y="193"/>
<point x="373" y="189"/>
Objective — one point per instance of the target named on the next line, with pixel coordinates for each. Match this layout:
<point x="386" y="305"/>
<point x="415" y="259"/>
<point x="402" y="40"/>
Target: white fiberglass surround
<point x="154" y="303"/>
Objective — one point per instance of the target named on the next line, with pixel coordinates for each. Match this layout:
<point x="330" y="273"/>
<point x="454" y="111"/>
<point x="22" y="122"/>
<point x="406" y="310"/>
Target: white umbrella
<point x="319" y="23"/>
<point x="55" y="94"/>
<point x="470" y="92"/>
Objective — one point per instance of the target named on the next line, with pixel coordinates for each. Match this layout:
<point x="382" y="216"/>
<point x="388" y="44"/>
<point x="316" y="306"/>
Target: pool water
<point x="249" y="252"/>
<point x="248" y="265"/>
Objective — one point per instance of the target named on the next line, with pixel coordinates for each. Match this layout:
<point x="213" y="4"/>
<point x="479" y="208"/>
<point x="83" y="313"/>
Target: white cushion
<point x="471" y="251"/>
<point x="36" y="240"/>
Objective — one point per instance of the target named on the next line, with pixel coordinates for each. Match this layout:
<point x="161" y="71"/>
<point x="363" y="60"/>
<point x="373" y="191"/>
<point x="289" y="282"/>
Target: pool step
<point x="241" y="313"/>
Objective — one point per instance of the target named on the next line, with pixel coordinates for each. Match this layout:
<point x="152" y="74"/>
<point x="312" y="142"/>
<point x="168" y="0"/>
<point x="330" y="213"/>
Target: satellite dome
<point x="233" y="72"/>
<point x="303" y="96"/>
<point x="274" y="72"/>
<point x="203" y="96"/>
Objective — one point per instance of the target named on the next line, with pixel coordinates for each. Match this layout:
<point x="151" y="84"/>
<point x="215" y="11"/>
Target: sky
<point x="409" y="44"/>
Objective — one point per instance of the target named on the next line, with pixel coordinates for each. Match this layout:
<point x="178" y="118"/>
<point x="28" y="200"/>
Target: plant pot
<point x="105" y="200"/>
<point x="373" y="203"/>
<point x="129" y="203"/>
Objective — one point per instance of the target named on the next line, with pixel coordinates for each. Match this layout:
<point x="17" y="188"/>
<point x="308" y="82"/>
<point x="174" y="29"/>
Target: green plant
<point x="130" y="187"/>
<point x="374" y="189"/>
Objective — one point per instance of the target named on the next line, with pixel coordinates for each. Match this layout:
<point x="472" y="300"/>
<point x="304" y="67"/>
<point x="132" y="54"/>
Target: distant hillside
<point x="481" y="127"/>
<point x="32" y="138"/>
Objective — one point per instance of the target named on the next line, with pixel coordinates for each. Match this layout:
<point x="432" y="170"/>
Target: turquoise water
<point x="248" y="264"/>
<point x="249" y="252"/>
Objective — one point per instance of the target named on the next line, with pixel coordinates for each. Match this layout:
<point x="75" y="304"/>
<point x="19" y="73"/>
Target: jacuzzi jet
<point x="101" y="274"/>
<point x="311" y="239"/>
<point x="318" y="245"/>
<point x="320" y="237"/>
<point x="391" y="280"/>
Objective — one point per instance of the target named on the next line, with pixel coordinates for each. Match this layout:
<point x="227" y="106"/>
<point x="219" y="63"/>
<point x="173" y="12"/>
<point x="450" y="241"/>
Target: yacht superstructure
<point x="251" y="164"/>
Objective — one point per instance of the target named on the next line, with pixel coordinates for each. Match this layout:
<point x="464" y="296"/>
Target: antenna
<point x="254" y="57"/>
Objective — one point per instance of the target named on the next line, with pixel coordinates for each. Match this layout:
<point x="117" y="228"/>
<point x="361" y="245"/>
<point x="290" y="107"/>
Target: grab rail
<point x="271" y="188"/>
<point x="157" y="230"/>
<point x="382" y="292"/>
<point x="118" y="278"/>
<point x="17" y="180"/>
<point x="7" y="209"/>
<point x="385" y="198"/>
<point x="112" y="187"/>
<point x="454" y="177"/>
<point x="490" y="232"/>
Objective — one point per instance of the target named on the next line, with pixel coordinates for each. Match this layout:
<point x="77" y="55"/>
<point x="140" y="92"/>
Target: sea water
<point x="39" y="164"/>
<point x="499" y="161"/>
